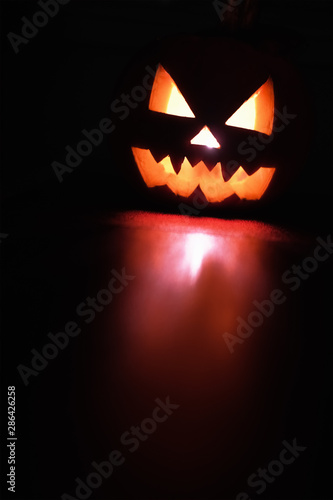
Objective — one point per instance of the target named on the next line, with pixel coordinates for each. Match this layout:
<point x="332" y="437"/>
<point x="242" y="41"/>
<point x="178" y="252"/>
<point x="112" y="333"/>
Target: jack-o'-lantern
<point x="182" y="177"/>
<point x="217" y="115"/>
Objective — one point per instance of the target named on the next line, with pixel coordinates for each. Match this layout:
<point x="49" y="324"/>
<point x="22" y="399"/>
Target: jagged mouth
<point x="210" y="180"/>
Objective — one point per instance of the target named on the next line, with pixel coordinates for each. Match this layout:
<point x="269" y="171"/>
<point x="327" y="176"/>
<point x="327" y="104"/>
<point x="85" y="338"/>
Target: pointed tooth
<point x="250" y="169"/>
<point x="177" y="162"/>
<point x="158" y="154"/>
<point x="228" y="171"/>
<point x="194" y="157"/>
<point x="210" y="164"/>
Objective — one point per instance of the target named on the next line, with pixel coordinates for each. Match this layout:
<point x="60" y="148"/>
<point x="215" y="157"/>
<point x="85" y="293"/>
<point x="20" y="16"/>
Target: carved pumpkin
<point x="220" y="116"/>
<point x="182" y="178"/>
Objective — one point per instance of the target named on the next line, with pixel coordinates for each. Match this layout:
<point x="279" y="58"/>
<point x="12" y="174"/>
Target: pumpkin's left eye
<point x="257" y="113"/>
<point x="166" y="97"/>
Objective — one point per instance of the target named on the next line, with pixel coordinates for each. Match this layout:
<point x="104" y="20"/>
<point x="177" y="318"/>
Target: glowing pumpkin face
<point x="183" y="178"/>
<point x="210" y="119"/>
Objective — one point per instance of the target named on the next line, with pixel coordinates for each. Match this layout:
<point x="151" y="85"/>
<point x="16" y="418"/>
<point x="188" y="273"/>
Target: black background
<point x="62" y="81"/>
<point x="65" y="79"/>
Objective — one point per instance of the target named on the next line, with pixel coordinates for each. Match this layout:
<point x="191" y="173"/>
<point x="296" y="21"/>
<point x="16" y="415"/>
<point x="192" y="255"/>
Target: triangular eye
<point x="257" y="113"/>
<point x="166" y="97"/>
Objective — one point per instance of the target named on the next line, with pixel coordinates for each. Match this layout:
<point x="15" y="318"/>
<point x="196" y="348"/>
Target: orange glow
<point x="257" y="113"/>
<point x="205" y="138"/>
<point x="166" y="97"/>
<point x="212" y="184"/>
<point x="245" y="116"/>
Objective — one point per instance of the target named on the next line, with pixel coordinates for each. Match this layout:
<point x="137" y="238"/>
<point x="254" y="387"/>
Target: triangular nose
<point x="205" y="138"/>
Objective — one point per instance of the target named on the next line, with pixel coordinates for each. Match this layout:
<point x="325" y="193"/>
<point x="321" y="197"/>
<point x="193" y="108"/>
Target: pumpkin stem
<point x="237" y="15"/>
